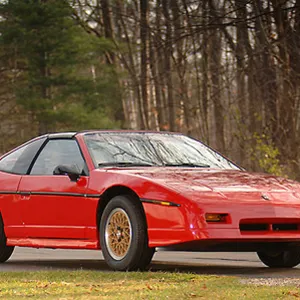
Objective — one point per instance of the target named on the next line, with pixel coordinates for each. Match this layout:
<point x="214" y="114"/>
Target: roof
<point x="83" y="132"/>
<point x="61" y="135"/>
<point x="71" y="134"/>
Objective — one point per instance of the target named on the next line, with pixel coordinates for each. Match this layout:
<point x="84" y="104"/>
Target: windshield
<point x="150" y="149"/>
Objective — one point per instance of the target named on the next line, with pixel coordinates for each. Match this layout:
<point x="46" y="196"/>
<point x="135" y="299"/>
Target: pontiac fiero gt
<point x="128" y="193"/>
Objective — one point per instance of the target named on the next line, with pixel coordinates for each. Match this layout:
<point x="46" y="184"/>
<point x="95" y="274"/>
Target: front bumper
<point x="247" y="224"/>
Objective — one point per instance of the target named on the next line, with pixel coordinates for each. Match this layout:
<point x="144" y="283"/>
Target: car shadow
<point x="155" y="266"/>
<point x="225" y="270"/>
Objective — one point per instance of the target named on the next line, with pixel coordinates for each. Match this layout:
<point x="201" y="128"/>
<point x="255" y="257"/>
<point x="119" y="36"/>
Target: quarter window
<point x="18" y="161"/>
<point x="58" y="152"/>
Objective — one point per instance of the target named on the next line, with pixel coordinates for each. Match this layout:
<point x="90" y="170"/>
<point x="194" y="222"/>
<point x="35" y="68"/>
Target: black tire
<point x="146" y="258"/>
<point x="135" y="255"/>
<point x="5" y="251"/>
<point x="283" y="259"/>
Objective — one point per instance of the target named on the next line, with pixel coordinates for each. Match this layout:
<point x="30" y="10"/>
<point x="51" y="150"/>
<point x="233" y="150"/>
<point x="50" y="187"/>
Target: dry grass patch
<point x="147" y="285"/>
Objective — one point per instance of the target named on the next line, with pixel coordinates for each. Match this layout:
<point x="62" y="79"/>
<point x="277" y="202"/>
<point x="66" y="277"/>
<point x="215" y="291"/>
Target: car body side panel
<point x="10" y="205"/>
<point x="162" y="221"/>
<point x="166" y="225"/>
<point x="58" y="208"/>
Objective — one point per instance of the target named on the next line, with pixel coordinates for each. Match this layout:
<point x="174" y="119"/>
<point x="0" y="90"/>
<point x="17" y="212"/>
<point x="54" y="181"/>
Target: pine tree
<point x="62" y="83"/>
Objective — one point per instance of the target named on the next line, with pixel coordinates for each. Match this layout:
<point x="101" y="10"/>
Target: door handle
<point x="25" y="195"/>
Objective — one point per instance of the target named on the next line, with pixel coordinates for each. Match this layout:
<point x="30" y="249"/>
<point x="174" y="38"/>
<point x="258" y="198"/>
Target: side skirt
<point x="53" y="243"/>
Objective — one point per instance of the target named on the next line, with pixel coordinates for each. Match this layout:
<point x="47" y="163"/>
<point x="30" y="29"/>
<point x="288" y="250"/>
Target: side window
<point x="18" y="162"/>
<point x="58" y="152"/>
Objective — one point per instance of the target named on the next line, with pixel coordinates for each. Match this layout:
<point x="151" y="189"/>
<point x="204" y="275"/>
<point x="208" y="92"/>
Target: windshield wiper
<point x="124" y="164"/>
<point x="188" y="165"/>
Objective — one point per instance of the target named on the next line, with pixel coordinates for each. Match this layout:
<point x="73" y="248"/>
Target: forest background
<point x="224" y="71"/>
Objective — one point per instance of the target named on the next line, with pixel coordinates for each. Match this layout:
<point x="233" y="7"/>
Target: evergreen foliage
<point x="62" y="81"/>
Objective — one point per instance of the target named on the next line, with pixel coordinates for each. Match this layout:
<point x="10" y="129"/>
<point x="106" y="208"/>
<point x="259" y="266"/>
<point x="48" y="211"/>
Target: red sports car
<point x="128" y="193"/>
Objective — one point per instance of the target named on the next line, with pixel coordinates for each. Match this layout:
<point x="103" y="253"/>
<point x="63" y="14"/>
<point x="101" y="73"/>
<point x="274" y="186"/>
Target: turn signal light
<point x="215" y="217"/>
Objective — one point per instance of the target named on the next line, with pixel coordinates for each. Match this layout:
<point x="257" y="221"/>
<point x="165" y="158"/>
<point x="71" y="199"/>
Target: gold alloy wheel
<point x="118" y="233"/>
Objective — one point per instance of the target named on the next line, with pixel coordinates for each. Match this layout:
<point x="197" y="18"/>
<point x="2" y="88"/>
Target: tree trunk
<point x="108" y="29"/>
<point x="168" y="68"/>
<point x="266" y="79"/>
<point x="215" y="46"/>
<point x="144" y="34"/>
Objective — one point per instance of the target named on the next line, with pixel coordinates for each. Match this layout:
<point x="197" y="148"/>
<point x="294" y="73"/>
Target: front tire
<point x="123" y="235"/>
<point x="283" y="259"/>
<point x="5" y="251"/>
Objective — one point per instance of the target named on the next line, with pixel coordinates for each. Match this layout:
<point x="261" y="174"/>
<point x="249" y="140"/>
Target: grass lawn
<point x="148" y="285"/>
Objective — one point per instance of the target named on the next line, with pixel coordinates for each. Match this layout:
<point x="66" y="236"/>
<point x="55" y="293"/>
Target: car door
<point x="53" y="205"/>
<point x="12" y="167"/>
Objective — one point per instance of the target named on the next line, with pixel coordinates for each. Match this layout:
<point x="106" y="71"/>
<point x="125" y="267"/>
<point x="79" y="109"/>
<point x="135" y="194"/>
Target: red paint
<point x="59" y="221"/>
<point x="54" y="243"/>
<point x="55" y="216"/>
<point x="10" y="203"/>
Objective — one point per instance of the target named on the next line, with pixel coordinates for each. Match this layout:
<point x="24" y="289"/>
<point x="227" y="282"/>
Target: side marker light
<point x="210" y="218"/>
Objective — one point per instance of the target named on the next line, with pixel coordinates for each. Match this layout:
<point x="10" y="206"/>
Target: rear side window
<point x="18" y="161"/>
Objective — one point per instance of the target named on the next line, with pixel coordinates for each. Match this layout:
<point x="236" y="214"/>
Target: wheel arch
<point x="114" y="191"/>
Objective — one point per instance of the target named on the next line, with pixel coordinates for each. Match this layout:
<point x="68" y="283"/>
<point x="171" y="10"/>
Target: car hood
<point x="191" y="182"/>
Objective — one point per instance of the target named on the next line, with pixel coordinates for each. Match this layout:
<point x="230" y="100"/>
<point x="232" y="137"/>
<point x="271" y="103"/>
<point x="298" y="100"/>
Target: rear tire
<point x="123" y="235"/>
<point x="5" y="251"/>
<point x="283" y="259"/>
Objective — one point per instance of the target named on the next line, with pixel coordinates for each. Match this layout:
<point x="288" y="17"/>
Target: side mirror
<point x="71" y="170"/>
